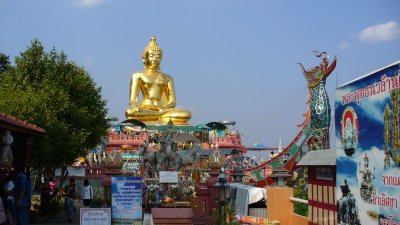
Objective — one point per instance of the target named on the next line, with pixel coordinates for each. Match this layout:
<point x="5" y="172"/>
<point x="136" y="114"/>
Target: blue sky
<point x="229" y="59"/>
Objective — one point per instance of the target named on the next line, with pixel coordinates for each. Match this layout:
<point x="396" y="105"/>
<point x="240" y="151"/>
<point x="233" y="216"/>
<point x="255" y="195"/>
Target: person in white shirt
<point x="87" y="193"/>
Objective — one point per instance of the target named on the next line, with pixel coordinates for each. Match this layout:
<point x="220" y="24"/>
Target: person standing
<point x="87" y="193"/>
<point x="9" y="196"/>
<point x="22" y="195"/>
<point x="69" y="193"/>
<point x="45" y="199"/>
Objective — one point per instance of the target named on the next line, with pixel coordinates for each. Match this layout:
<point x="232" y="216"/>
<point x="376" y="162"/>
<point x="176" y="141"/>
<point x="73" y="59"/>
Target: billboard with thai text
<point x="367" y="141"/>
<point x="126" y="197"/>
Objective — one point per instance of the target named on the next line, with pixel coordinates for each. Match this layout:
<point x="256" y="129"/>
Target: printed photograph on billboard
<point x="367" y="140"/>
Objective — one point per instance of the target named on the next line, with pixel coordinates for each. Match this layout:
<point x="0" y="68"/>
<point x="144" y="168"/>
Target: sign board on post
<point x="168" y="176"/>
<point x="126" y="200"/>
<point x="95" y="216"/>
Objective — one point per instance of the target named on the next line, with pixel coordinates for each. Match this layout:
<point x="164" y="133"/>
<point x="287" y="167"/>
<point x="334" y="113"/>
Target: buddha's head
<point x="152" y="55"/>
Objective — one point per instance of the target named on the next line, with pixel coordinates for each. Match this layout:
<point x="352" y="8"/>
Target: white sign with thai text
<point x="95" y="216"/>
<point x="168" y="176"/>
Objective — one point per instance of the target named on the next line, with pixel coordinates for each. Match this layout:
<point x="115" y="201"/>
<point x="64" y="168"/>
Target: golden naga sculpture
<point x="158" y="92"/>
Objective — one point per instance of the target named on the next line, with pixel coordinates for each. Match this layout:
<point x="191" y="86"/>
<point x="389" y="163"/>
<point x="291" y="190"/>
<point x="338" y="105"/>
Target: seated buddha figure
<point x="158" y="99"/>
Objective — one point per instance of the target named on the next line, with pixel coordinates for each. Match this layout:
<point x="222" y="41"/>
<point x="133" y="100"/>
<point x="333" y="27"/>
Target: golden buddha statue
<point x="158" y="92"/>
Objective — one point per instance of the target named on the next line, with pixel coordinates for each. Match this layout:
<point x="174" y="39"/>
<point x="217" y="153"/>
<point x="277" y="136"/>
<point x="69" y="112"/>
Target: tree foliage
<point x="300" y="190"/>
<point x="4" y="63"/>
<point x="47" y="89"/>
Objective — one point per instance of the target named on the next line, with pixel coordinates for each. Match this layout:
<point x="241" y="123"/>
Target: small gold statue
<point x="158" y="92"/>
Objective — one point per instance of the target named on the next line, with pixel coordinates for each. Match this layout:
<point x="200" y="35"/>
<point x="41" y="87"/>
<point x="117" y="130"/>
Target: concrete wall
<point x="280" y="207"/>
<point x="299" y="220"/>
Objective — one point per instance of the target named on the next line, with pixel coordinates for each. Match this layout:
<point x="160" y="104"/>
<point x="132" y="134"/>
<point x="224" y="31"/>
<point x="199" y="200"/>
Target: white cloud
<point x="380" y="33"/>
<point x="345" y="45"/>
<point x="374" y="111"/>
<point x="86" y="3"/>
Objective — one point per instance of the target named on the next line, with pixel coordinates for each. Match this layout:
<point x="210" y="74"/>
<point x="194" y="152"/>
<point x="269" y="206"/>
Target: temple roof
<point x="224" y="151"/>
<point x="184" y="128"/>
<point x="14" y="124"/>
<point x="319" y="158"/>
<point x="280" y="171"/>
<point x="216" y="125"/>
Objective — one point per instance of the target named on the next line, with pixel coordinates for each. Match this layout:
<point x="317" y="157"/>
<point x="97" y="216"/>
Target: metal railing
<point x="298" y="200"/>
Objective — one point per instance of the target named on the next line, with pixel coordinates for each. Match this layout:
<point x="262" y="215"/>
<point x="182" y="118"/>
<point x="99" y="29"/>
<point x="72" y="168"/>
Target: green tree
<point x="300" y="190"/>
<point x="4" y="63"/>
<point x="47" y="89"/>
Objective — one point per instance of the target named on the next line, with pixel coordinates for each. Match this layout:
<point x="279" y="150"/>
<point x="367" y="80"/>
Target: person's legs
<point x="11" y="212"/>
<point x="18" y="221"/>
<point x="45" y="204"/>
<point x="23" y="215"/>
<point x="9" y="217"/>
<point x="69" y="207"/>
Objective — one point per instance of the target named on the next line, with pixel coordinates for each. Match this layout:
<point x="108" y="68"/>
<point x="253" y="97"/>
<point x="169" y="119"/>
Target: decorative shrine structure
<point x="320" y="162"/>
<point x="156" y="139"/>
<point x="319" y="102"/>
<point x="314" y="132"/>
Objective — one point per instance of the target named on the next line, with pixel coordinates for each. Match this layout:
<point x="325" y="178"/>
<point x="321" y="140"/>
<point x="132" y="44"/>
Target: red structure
<point x="125" y="142"/>
<point x="230" y="140"/>
<point x="321" y="166"/>
<point x="205" y="200"/>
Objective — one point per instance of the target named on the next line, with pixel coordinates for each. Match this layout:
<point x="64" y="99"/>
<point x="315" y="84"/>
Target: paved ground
<point x="147" y="220"/>
<point x="61" y="217"/>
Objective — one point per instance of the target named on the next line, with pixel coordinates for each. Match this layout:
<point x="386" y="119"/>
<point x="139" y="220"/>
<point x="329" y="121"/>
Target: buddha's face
<point x="153" y="59"/>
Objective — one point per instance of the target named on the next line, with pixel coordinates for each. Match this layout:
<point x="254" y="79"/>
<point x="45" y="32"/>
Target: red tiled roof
<point x="12" y="123"/>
